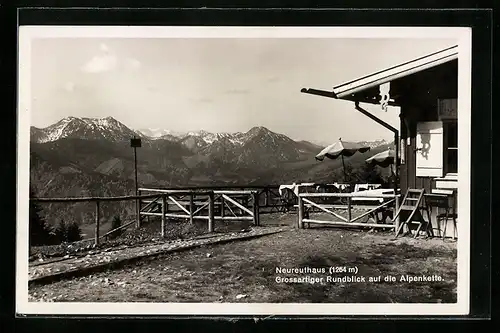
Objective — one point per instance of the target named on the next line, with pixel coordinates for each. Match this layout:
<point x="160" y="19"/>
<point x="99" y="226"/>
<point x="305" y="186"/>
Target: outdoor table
<point x="444" y="200"/>
<point x="386" y="211"/>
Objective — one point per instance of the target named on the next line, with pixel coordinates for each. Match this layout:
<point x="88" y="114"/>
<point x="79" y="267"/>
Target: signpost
<point x="136" y="143"/>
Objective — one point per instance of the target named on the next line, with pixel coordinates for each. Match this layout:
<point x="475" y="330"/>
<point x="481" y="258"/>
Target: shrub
<point x="40" y="233"/>
<point x="73" y="232"/>
<point x="62" y="232"/>
<point x="116" y="223"/>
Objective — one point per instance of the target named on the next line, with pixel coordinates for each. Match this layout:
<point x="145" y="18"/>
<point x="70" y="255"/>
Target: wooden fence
<point x="307" y="204"/>
<point x="269" y="197"/>
<point x="222" y="205"/>
<point x="209" y="205"/>
<point x="97" y="215"/>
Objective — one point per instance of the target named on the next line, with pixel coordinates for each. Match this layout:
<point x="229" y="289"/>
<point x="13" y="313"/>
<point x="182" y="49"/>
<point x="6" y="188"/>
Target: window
<point x="451" y="145"/>
<point x="447" y="112"/>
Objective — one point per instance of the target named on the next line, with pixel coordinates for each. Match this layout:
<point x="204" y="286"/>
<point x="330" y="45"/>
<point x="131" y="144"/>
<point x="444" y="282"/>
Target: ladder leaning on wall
<point x="409" y="213"/>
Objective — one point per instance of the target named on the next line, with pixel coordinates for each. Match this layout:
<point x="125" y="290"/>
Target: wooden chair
<point x="410" y="214"/>
<point x="442" y="201"/>
<point x="286" y="200"/>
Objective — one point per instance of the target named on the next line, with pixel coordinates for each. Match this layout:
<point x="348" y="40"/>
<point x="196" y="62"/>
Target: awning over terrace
<point x="391" y="85"/>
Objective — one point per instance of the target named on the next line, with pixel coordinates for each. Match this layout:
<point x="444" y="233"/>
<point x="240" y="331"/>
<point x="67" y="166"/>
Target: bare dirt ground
<point x="149" y="233"/>
<point x="245" y="271"/>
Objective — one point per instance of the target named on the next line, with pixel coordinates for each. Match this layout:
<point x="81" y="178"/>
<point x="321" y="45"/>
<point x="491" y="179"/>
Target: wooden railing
<point x="269" y="197"/>
<point x="202" y="204"/>
<point x="306" y="204"/>
<point x="97" y="215"/>
<point x="210" y="205"/>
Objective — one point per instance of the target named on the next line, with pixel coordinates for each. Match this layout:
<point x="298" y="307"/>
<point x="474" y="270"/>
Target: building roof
<point x="357" y="89"/>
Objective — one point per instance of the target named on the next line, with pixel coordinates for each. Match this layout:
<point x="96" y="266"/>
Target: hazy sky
<point x="219" y="85"/>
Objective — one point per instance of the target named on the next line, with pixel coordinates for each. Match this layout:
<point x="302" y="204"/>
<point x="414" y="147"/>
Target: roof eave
<point x="319" y="92"/>
<point x="374" y="80"/>
<point x="350" y="97"/>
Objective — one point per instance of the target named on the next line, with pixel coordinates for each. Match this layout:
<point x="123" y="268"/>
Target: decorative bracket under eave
<point x="384" y="89"/>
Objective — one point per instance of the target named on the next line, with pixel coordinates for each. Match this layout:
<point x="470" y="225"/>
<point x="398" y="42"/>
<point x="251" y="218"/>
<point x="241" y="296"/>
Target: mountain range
<point x="90" y="156"/>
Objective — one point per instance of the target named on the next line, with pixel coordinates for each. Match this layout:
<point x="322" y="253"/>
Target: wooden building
<point x="425" y="90"/>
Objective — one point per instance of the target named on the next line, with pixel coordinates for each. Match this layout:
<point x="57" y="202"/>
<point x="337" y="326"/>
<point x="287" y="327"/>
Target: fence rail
<point x="90" y="199"/>
<point x="201" y="205"/>
<point x="158" y="202"/>
<point x="269" y="197"/>
<point x="233" y="204"/>
<point x="230" y="204"/>
<point x="97" y="215"/>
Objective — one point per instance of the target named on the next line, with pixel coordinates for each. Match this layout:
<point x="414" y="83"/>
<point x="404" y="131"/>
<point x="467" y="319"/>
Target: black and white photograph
<point x="243" y="170"/>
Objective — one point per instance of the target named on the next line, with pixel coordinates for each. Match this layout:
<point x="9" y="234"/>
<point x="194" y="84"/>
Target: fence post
<point x="300" y="203"/>
<point x="138" y="211"/>
<point x="396" y="207"/>
<point x="191" y="207"/>
<point x="96" y="236"/>
<point x="266" y="197"/>
<point x="211" y="211"/>
<point x="163" y="212"/>
<point x="222" y="205"/>
<point x="256" y="217"/>
<point x="349" y="213"/>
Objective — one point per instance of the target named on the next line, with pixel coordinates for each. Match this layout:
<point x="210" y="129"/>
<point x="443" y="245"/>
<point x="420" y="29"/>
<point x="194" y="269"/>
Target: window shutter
<point x="429" y="144"/>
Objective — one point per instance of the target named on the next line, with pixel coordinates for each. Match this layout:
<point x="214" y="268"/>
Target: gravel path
<point x="47" y="271"/>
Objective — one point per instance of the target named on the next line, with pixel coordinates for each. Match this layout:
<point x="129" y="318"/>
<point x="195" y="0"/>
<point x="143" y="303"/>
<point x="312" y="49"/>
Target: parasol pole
<point x="343" y="168"/>
<point x="343" y="164"/>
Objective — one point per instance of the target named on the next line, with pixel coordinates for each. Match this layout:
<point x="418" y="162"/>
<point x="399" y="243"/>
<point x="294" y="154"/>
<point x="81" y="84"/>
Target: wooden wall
<point x="420" y="93"/>
<point x="408" y="171"/>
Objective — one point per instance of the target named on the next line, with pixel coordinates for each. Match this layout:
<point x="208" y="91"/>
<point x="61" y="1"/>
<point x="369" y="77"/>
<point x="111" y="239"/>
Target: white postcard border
<point x="28" y="33"/>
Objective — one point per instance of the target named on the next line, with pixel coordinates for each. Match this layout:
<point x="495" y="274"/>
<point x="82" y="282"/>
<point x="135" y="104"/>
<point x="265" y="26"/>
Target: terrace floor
<point x="246" y="271"/>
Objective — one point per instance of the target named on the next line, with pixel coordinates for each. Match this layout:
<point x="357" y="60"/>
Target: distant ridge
<point x="92" y="156"/>
<point x="107" y="128"/>
<point x="101" y="145"/>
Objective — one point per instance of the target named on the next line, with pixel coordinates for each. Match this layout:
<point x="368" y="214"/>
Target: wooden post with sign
<point x="136" y="143"/>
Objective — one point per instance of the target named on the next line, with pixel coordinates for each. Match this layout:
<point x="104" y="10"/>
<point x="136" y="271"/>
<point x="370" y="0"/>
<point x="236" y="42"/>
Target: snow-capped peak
<point x="156" y="133"/>
<point x="375" y="143"/>
<point x="371" y="144"/>
<point x="85" y="128"/>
